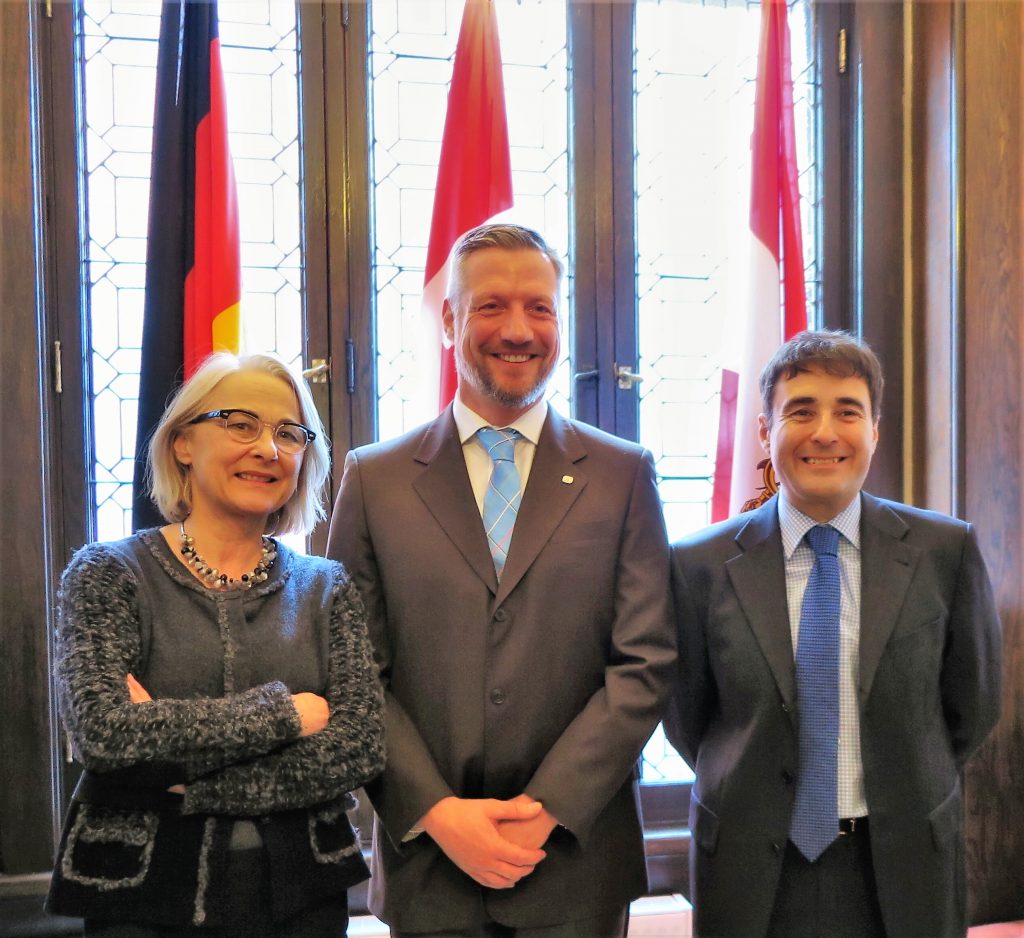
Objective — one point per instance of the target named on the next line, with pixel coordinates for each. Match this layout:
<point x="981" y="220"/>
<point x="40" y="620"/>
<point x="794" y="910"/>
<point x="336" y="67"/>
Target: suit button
<point x="497" y="696"/>
<point x="785" y="708"/>
<point x="776" y="848"/>
<point x="787" y="776"/>
<point x="500" y="615"/>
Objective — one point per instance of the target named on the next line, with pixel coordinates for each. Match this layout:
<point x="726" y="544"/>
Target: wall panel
<point x="26" y="824"/>
<point x="992" y="361"/>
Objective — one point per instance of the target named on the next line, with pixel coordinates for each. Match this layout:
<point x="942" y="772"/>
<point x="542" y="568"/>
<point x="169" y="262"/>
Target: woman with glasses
<point x="218" y="687"/>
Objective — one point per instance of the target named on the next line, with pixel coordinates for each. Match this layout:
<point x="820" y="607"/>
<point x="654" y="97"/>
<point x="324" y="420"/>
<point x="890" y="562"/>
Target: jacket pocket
<point x="109" y="848"/>
<point x="330" y="832"/>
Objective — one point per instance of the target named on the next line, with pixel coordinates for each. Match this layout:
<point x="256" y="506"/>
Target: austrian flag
<point x="777" y="306"/>
<point x="474" y="173"/>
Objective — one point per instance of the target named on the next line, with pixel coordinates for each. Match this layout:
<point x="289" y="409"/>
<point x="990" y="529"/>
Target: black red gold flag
<point x="193" y="267"/>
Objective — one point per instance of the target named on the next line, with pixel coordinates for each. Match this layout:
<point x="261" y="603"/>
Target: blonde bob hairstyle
<point x="170" y="482"/>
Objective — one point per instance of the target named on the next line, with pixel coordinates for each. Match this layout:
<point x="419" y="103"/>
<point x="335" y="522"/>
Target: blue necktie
<point x="815" y="821"/>
<point x="501" y="501"/>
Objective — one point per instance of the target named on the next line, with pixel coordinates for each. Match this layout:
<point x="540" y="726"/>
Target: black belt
<point x="851" y="825"/>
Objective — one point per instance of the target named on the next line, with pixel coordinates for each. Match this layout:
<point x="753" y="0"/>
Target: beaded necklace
<point x="212" y="577"/>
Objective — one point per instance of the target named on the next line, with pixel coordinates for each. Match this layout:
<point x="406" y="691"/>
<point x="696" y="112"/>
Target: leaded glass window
<point x="118" y="42"/>
<point x="695" y="70"/>
<point x="411" y="54"/>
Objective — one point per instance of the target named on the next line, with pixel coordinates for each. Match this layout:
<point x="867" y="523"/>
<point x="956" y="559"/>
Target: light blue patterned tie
<point x="501" y="501"/>
<point x="815" y="821"/>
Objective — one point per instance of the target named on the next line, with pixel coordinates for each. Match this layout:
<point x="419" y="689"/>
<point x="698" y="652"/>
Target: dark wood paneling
<point x="993" y="428"/>
<point x="833" y="154"/>
<point x="26" y="822"/>
<point x="876" y="77"/>
<point x="933" y="214"/>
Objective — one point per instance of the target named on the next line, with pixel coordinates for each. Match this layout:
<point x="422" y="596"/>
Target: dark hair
<point x="502" y="235"/>
<point x="836" y="353"/>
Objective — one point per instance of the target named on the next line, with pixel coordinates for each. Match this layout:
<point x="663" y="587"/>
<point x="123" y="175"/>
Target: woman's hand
<point x="136" y="691"/>
<point x="313" y="712"/>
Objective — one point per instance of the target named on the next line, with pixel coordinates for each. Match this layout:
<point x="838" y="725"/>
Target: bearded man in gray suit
<point x="803" y="828"/>
<point x="525" y="655"/>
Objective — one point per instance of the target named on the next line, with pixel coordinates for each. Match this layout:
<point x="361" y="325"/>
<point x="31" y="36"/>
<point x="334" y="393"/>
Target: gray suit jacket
<point x="549" y="683"/>
<point x="928" y="693"/>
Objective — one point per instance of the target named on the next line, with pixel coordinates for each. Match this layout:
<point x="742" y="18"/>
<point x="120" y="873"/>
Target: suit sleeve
<point x="693" y="689"/>
<point x="971" y="671"/>
<point x="596" y="753"/>
<point x="411" y="783"/>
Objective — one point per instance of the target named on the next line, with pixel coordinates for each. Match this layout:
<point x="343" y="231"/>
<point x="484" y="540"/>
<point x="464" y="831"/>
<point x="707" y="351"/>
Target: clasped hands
<point x="495" y="842"/>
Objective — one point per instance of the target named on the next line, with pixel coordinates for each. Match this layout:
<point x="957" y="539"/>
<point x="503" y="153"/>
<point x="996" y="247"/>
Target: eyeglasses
<point x="246" y="427"/>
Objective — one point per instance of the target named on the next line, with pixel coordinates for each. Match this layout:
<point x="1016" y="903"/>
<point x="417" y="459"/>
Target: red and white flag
<point x="777" y="305"/>
<point x="474" y="175"/>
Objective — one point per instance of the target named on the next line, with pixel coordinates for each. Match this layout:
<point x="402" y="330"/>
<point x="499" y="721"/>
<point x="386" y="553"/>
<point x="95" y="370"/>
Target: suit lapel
<point x="886" y="569"/>
<point x="446" y="491"/>
<point x="758" y="576"/>
<point x="547" y="497"/>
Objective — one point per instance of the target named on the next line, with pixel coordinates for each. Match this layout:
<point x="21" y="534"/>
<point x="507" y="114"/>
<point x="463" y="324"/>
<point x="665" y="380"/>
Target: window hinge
<point x="49" y="9"/>
<point x="344" y="14"/>
<point x="842" y="51"/>
<point x="58" y="377"/>
<point x="350" y="366"/>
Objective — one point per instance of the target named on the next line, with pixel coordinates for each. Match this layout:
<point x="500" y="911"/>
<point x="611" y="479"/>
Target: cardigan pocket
<point x="109" y="848"/>
<point x="330" y="833"/>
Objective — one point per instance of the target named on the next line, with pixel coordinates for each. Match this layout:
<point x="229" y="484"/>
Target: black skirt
<point x="247" y="911"/>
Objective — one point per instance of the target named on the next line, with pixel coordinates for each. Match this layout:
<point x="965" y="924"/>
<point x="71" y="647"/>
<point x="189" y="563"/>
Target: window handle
<point x="319" y="371"/>
<point x="626" y="377"/>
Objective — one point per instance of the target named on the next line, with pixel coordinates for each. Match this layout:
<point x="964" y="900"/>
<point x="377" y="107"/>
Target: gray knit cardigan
<point x="221" y="668"/>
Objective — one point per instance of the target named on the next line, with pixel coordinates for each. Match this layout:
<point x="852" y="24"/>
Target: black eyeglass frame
<point x="224" y="413"/>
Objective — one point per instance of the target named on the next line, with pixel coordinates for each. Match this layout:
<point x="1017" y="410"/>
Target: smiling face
<point x="246" y="481"/>
<point x="504" y="327"/>
<point x="821" y="437"/>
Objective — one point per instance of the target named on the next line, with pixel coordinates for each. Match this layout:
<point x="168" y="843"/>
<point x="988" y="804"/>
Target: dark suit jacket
<point x="928" y="693"/>
<point x="549" y="683"/>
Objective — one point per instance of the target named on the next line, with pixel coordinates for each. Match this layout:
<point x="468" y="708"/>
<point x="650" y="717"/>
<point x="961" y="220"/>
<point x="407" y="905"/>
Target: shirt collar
<point x="529" y="423"/>
<point x="794" y="524"/>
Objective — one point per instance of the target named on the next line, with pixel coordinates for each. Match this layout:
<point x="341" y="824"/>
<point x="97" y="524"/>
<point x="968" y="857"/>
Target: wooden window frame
<point x="337" y="238"/>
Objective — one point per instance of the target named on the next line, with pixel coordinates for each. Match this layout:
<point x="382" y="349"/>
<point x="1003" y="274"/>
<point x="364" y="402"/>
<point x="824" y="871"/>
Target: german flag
<point x="193" y="268"/>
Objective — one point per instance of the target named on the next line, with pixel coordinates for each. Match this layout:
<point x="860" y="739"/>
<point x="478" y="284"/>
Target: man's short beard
<point x="502" y="396"/>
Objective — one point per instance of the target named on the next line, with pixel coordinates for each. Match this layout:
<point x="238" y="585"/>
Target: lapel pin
<point x="568" y="480"/>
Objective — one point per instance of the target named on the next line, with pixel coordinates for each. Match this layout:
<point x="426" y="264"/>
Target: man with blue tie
<point x="839" y="661"/>
<point x="514" y="566"/>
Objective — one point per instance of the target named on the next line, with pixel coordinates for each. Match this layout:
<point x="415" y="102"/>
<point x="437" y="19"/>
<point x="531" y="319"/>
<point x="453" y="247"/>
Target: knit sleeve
<point x="98" y="645"/>
<point x="347" y="753"/>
